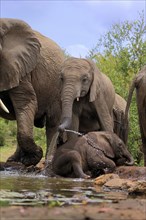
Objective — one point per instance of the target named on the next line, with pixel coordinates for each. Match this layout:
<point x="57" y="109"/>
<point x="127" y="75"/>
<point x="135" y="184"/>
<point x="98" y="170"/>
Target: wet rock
<point x="128" y="185"/>
<point x="131" y="172"/>
<point x="114" y="182"/>
<point x="138" y="187"/>
<point x="18" y="167"/>
<point x="12" y="166"/>
<point x="101" y="180"/>
<point x="120" y="184"/>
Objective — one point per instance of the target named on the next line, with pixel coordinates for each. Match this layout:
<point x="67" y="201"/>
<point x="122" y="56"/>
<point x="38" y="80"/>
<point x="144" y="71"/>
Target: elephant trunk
<point x="130" y="161"/>
<point x="68" y="96"/>
<point x="66" y="123"/>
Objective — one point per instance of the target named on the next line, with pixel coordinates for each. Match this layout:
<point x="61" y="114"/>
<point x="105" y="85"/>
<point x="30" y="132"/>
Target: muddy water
<point x="30" y="190"/>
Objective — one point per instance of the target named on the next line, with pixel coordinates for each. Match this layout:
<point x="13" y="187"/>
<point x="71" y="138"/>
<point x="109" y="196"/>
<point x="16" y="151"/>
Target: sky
<point x="74" y="25"/>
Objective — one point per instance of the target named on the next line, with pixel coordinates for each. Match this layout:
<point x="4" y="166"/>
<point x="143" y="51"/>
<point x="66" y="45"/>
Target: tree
<point x="126" y="42"/>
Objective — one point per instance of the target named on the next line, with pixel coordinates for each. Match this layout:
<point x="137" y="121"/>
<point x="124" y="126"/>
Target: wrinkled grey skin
<point x="90" y="155"/>
<point x="139" y="84"/>
<point x="87" y="97"/>
<point x="119" y="116"/>
<point x="29" y="85"/>
<point x="98" y="107"/>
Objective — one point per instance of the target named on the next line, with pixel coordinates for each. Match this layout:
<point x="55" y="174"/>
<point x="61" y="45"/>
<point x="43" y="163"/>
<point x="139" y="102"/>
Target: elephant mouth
<point x="83" y="93"/>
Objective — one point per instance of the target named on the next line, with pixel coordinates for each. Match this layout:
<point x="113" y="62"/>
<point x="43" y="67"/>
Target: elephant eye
<point x="61" y="77"/>
<point x="85" y="79"/>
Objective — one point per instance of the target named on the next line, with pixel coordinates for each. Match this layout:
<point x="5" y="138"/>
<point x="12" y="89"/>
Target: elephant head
<point x="19" y="51"/>
<point x="119" y="151"/>
<point x="80" y="79"/>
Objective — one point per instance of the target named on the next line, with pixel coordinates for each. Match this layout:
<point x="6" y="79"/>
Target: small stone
<point x="101" y="180"/>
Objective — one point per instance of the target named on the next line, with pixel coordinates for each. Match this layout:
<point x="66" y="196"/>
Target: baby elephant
<point x="91" y="155"/>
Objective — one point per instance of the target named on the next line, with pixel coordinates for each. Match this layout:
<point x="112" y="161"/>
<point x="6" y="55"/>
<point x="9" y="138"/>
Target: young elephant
<point x="90" y="155"/>
<point x="89" y="101"/>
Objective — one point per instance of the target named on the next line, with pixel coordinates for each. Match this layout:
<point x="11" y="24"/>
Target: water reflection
<point x="33" y="190"/>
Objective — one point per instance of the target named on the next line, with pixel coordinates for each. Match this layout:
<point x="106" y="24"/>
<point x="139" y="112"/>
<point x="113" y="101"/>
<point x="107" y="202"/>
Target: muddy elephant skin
<point x="91" y="155"/>
<point x="29" y="74"/>
<point x="139" y="84"/>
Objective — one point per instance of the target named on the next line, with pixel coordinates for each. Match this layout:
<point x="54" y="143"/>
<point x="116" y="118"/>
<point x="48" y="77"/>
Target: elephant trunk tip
<point x="130" y="162"/>
<point x="66" y="123"/>
<point x="61" y="128"/>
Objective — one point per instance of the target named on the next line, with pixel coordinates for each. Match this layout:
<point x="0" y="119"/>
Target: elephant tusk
<point x="77" y="99"/>
<point x="3" y="106"/>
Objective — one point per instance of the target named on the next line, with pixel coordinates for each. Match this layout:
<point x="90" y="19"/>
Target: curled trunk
<point x="130" y="161"/>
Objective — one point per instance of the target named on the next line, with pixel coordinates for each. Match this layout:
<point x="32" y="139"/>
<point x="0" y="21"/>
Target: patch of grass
<point x="4" y="203"/>
<point x="5" y="152"/>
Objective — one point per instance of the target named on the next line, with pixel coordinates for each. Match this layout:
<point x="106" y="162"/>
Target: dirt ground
<point x="130" y="209"/>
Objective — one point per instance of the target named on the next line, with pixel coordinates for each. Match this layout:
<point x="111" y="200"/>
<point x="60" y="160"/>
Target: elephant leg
<point x="141" y="104"/>
<point x="117" y="121"/>
<point x="25" y="105"/>
<point x="52" y="134"/>
<point x="119" y="127"/>
<point x="69" y="164"/>
<point x="143" y="136"/>
<point x="16" y="156"/>
<point x="102" y="163"/>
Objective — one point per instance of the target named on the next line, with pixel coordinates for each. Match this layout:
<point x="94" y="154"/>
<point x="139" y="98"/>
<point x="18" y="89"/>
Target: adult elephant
<point x="29" y="85"/>
<point x="91" y="155"/>
<point x="87" y="97"/>
<point x="139" y="83"/>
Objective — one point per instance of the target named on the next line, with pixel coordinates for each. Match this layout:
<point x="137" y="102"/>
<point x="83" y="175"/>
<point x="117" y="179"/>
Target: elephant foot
<point x="85" y="176"/>
<point x="15" y="157"/>
<point x="27" y="158"/>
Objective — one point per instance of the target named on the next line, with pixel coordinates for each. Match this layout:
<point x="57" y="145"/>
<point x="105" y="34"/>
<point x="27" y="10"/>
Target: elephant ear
<point x="19" y="51"/>
<point x="109" y="148"/>
<point x="102" y="141"/>
<point x="97" y="96"/>
<point x="95" y="86"/>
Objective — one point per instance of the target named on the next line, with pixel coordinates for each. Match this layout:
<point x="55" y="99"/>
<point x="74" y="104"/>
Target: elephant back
<point x="51" y="52"/>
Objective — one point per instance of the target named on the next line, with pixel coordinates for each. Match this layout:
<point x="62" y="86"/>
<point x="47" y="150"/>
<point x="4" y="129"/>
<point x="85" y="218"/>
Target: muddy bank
<point x="123" y="210"/>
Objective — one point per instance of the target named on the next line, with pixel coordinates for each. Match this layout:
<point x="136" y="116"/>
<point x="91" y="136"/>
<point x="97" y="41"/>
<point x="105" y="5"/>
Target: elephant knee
<point x="75" y="156"/>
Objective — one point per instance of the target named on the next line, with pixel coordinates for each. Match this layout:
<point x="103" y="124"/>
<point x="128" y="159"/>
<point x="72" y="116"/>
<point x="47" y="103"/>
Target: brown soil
<point x="123" y="210"/>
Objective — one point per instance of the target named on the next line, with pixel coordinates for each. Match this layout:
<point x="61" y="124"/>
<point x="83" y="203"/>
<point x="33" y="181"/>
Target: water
<point x="31" y="190"/>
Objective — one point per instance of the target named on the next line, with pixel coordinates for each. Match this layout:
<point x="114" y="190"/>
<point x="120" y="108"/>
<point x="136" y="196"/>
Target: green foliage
<point x="40" y="138"/>
<point x="120" y="54"/>
<point x="2" y="133"/>
<point x="7" y="131"/>
<point x="126" y="43"/>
